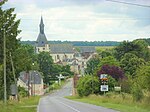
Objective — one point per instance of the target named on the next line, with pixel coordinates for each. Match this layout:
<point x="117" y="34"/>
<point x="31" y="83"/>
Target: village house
<point x="32" y="82"/>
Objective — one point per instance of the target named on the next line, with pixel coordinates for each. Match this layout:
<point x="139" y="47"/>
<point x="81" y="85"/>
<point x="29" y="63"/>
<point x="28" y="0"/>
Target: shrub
<point x="22" y="92"/>
<point x="84" y="86"/>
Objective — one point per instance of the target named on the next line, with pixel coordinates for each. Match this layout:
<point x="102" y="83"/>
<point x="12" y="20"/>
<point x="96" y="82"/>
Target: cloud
<point x="81" y="20"/>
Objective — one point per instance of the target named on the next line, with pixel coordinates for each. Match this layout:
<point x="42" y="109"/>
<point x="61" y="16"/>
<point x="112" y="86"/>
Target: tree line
<point x="79" y="43"/>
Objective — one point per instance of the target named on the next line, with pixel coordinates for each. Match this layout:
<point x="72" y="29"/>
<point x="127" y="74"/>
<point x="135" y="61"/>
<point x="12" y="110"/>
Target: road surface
<point x="56" y="103"/>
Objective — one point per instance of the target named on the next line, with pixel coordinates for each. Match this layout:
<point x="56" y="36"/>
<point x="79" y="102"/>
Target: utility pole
<point x="15" y="80"/>
<point x="5" y="92"/>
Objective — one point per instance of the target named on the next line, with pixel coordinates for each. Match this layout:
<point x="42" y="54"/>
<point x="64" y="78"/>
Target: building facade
<point x="32" y="82"/>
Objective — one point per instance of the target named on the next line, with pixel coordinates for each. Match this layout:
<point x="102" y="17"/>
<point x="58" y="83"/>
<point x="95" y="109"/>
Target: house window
<point x="58" y="57"/>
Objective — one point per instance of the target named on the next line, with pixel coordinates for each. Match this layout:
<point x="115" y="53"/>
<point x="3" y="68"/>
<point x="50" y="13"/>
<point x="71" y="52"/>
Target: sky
<point x="83" y="20"/>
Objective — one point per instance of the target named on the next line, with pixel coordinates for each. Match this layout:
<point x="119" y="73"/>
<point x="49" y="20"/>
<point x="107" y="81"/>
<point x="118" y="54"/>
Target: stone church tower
<point x="41" y="41"/>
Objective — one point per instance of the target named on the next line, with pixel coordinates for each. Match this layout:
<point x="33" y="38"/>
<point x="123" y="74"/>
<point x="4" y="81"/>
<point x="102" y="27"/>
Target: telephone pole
<point x="5" y="92"/>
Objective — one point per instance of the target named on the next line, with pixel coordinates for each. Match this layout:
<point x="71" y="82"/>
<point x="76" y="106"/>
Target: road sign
<point x="117" y="88"/>
<point x="104" y="87"/>
<point x="103" y="76"/>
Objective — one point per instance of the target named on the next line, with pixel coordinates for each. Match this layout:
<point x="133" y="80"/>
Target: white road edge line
<point x="69" y="107"/>
<point x="38" y="105"/>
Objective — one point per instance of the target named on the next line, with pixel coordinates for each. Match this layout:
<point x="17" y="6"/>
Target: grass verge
<point x="24" y="105"/>
<point x="115" y="102"/>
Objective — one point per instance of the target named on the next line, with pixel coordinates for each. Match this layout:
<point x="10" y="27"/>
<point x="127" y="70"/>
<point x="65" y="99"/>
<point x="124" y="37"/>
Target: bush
<point x="84" y="86"/>
<point x="22" y="92"/>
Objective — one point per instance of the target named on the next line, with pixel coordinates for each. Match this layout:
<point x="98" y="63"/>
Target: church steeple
<point x="41" y="26"/>
<point x="41" y="40"/>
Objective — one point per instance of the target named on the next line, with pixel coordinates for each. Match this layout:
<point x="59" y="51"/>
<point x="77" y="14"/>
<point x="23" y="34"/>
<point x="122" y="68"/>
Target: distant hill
<point x="79" y="43"/>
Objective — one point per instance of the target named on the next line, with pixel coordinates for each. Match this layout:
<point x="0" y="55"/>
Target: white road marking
<point x="70" y="107"/>
<point x="38" y="105"/>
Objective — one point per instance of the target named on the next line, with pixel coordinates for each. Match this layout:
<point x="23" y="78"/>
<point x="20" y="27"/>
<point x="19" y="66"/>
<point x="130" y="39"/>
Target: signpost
<point x="104" y="87"/>
<point x="104" y="81"/>
<point x="117" y="88"/>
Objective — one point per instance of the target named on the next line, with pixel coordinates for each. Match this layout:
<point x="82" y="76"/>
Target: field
<point x="103" y="48"/>
<point x="24" y="105"/>
<point x="121" y="102"/>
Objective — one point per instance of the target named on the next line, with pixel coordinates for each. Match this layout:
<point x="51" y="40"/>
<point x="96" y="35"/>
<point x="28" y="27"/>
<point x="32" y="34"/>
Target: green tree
<point x="137" y="47"/>
<point x="141" y="83"/>
<point x="84" y="85"/>
<point x="110" y="60"/>
<point x="9" y="27"/>
<point x="45" y="65"/>
<point x="92" y="65"/>
<point x="130" y="63"/>
<point x="22" y="59"/>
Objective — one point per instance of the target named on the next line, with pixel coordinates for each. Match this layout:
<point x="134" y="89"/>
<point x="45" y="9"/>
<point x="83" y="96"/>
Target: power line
<point x="129" y="3"/>
<point x="93" y="19"/>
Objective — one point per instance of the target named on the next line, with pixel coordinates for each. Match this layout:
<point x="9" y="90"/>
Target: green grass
<point x="24" y="105"/>
<point x="115" y="102"/>
<point x="103" y="48"/>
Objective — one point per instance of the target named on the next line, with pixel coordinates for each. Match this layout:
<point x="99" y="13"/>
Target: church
<point x="64" y="53"/>
<point x="59" y="52"/>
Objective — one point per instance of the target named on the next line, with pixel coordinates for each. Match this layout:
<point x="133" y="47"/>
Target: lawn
<point x="24" y="105"/>
<point x="116" y="103"/>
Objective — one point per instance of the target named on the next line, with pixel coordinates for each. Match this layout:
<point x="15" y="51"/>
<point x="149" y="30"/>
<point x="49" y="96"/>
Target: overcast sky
<point x="83" y="20"/>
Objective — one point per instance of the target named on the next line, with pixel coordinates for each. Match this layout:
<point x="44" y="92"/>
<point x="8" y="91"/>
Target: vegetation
<point x="8" y="28"/>
<point x="121" y="102"/>
<point x="88" y="85"/>
<point x="25" y="105"/>
<point x="23" y="56"/>
<point x="79" y="43"/>
<point x="128" y="66"/>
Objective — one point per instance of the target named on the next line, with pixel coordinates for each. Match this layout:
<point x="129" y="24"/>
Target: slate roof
<point x="87" y="49"/>
<point x="41" y="40"/>
<point x="34" y="77"/>
<point x="61" y="48"/>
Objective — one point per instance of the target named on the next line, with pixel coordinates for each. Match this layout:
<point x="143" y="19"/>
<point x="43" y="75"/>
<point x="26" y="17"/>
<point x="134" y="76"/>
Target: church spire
<point x="41" y="40"/>
<point x="41" y="26"/>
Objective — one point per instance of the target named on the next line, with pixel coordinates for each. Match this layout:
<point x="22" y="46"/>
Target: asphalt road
<point x="56" y="103"/>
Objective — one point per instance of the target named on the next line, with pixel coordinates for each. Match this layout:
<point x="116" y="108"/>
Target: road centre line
<point x="70" y="107"/>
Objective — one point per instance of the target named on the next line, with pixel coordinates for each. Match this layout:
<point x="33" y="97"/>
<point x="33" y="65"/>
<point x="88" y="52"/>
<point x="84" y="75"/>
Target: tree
<point x="141" y="83"/>
<point x="105" y="53"/>
<point x="92" y="65"/>
<point x="110" y="60"/>
<point x="130" y="62"/>
<point x="22" y="59"/>
<point x="66" y="70"/>
<point x="9" y="26"/>
<point x="45" y="65"/>
<point x="143" y="76"/>
<point x="142" y="49"/>
<point x="136" y="47"/>
<point x="114" y="71"/>
<point x="84" y="85"/>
